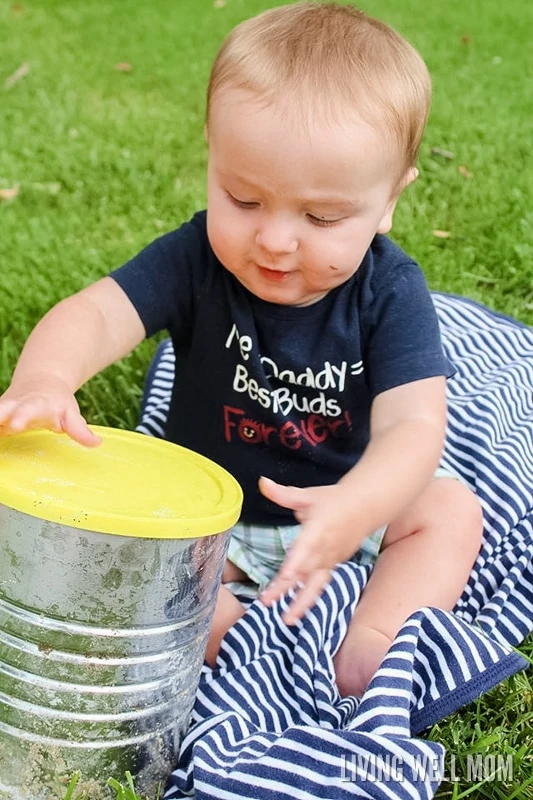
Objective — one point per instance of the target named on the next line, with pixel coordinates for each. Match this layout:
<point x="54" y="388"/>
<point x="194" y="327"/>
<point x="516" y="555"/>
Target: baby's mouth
<point x="275" y="275"/>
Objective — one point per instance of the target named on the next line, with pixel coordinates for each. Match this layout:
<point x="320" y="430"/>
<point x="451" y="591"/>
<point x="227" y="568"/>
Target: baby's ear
<point x="386" y="221"/>
<point x="410" y="177"/>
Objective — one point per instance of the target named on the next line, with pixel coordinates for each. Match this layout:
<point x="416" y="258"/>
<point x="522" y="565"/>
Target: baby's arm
<point x="407" y="429"/>
<point x="75" y="340"/>
<point x="406" y="438"/>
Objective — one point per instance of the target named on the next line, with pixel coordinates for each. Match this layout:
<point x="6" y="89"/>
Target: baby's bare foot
<point x="359" y="656"/>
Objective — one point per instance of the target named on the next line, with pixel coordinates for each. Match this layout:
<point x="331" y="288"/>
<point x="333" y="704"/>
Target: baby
<point x="308" y="357"/>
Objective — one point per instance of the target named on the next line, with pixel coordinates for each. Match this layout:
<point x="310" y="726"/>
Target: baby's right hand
<point x="44" y="402"/>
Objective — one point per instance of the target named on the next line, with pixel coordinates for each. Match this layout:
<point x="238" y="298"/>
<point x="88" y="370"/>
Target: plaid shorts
<point x="260" y="550"/>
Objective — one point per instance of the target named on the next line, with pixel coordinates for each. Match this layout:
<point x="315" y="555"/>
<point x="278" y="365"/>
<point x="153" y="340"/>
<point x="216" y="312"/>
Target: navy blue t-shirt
<point x="281" y="391"/>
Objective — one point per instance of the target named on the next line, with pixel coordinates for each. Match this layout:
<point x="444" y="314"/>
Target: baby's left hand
<point x="328" y="536"/>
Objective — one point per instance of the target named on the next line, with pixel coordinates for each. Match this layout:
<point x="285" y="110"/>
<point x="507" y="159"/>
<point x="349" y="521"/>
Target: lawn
<point x="101" y="150"/>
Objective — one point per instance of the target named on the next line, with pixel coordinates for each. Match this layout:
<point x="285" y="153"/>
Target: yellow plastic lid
<point x="131" y="485"/>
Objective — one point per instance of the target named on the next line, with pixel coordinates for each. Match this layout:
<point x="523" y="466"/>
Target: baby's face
<point x="292" y="209"/>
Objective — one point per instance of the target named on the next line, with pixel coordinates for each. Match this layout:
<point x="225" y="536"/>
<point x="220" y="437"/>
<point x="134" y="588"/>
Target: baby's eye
<point x="321" y="222"/>
<point x="241" y="203"/>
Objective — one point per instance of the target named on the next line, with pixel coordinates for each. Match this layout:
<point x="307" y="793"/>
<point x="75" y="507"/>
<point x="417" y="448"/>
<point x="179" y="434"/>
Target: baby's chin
<point x="280" y="295"/>
<point x="289" y="299"/>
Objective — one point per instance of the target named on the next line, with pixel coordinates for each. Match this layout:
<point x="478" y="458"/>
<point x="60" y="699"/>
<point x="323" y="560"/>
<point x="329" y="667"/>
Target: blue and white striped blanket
<point x="268" y="721"/>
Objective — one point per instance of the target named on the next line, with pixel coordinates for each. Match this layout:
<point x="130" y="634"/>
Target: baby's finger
<point x="286" y="496"/>
<point x="300" y="563"/>
<point x="75" y="426"/>
<point x="30" y="416"/>
<point x="307" y="596"/>
<point x="279" y="586"/>
<point x="6" y="410"/>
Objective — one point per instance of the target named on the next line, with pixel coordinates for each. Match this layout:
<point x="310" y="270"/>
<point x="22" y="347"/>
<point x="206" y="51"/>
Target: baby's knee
<point x="446" y="508"/>
<point x="458" y="519"/>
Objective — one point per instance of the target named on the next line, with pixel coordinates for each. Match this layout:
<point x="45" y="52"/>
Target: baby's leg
<point x="233" y="573"/>
<point x="426" y="558"/>
<point x="261" y="564"/>
<point x="228" y="610"/>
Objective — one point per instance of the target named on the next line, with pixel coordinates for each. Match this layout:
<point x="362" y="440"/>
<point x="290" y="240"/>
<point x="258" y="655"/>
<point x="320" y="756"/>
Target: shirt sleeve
<point x="163" y="279"/>
<point x="402" y="337"/>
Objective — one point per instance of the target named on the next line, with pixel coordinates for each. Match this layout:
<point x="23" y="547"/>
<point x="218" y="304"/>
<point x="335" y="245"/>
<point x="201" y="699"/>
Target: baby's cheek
<point x="220" y="241"/>
<point x="220" y="251"/>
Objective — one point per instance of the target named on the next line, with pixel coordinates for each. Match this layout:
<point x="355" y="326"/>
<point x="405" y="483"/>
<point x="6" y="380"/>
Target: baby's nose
<point x="276" y="237"/>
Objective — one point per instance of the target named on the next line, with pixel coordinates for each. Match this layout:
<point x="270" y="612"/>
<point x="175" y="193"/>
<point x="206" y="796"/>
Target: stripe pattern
<point x="268" y="721"/>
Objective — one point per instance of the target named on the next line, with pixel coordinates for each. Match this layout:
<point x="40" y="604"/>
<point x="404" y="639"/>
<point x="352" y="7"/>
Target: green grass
<point x="105" y="160"/>
<point x="122" y="791"/>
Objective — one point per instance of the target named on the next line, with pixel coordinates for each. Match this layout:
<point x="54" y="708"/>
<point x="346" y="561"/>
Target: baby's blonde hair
<point x="329" y="61"/>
